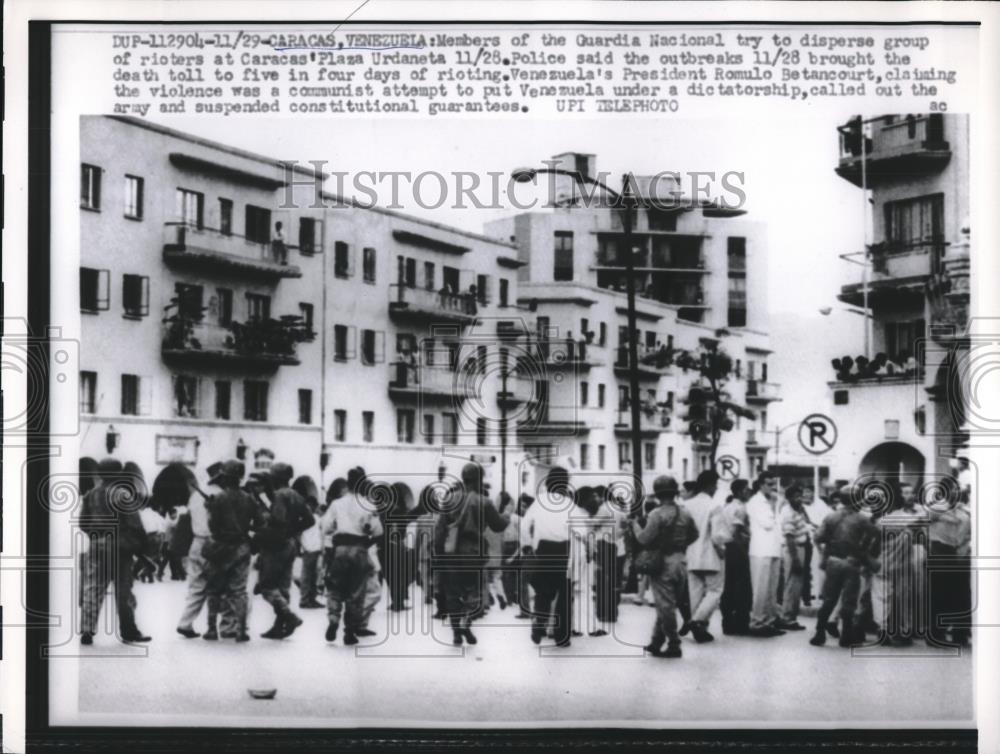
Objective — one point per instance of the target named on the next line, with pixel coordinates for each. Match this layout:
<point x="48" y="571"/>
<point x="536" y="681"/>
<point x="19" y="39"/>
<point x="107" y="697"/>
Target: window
<point x="310" y="235"/>
<point x="186" y="396"/>
<point x="191" y="208"/>
<point x="90" y="186"/>
<point x="305" y="406"/>
<point x="763" y="366"/>
<point x="670" y="458"/>
<point x="343" y="342"/>
<point x="584" y="327"/>
<point x="341" y="260"/>
<point x="584" y="456"/>
<point x="450" y="428"/>
<point x="429" y="276"/>
<point x="226" y="216"/>
<point x="684" y="465"/>
<point x="428" y="428"/>
<point x="737" y="316"/>
<point x="736" y="254"/>
<point x="224" y="305"/>
<point x="223" y="396"/>
<point x="601" y="391"/>
<point x="410" y="272"/>
<point x="88" y="392"/>
<point x="601" y="456"/>
<point x="368" y="264"/>
<point x="94" y="290"/>
<point x="257" y="224"/>
<point x="368" y="426"/>
<point x="649" y="455"/>
<point x="602" y="339"/>
<point x="258" y="307"/>
<point x="623" y="398"/>
<point x="902" y="339"/>
<point x="584" y="393"/>
<point x="483" y="289"/>
<point x="504" y="292"/>
<point x="481" y="356"/>
<point x="917" y="221"/>
<point x="189" y="301"/>
<point x="130" y="395"/>
<point x="563" y="269"/>
<point x="306" y="313"/>
<point x="255" y="400"/>
<point x="133" y="197"/>
<point x="404" y="425"/>
<point x="481" y="431"/>
<point x="450" y="277"/>
<point x="428" y="351"/>
<point x="841" y="397"/>
<point x="739" y="369"/>
<point x="650" y="340"/>
<point x="339" y="425"/>
<point x="624" y="454"/>
<point x="372" y="347"/>
<point x="135" y="295"/>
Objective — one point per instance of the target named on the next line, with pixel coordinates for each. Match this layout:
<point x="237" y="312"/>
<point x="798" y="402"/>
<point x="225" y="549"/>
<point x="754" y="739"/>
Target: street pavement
<point x="411" y="674"/>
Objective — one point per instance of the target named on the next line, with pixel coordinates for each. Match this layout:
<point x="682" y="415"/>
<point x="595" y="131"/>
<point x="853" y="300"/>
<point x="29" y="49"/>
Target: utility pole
<point x="633" y="346"/>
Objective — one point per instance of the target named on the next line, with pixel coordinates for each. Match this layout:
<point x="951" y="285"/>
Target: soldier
<point x="289" y="516"/>
<point x="349" y="528"/>
<point x="232" y="515"/>
<point x="668" y="532"/>
<point x="111" y="520"/>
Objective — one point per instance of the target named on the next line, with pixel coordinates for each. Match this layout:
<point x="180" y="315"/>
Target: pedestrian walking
<point x="110" y="519"/>
<point x="460" y="550"/>
<point x="287" y="518"/>
<point x="737" y="595"/>
<point x="199" y="570"/>
<point x="349" y="527"/>
<point x="765" y="556"/>
<point x="665" y="536"/>
<point x="310" y="545"/>
<point x="705" y="556"/>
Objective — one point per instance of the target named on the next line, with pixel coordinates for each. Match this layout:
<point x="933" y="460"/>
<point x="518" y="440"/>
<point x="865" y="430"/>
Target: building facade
<point x="896" y="406"/>
<point x="701" y="280"/>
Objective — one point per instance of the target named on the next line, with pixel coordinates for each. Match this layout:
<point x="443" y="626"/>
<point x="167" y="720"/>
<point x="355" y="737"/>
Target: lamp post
<point x="524" y="175"/>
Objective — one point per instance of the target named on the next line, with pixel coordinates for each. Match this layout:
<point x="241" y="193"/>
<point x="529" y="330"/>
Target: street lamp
<point x="525" y="175"/>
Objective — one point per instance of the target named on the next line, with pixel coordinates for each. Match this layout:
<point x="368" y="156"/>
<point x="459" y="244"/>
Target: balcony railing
<point x="760" y="391"/>
<point x="895" y="147"/>
<point x="652" y="419"/>
<point x="755" y="438"/>
<point x="427" y="305"/>
<point x="649" y="365"/>
<point x="260" y="344"/>
<point x="411" y="381"/>
<point x="207" y="248"/>
<point x="900" y="260"/>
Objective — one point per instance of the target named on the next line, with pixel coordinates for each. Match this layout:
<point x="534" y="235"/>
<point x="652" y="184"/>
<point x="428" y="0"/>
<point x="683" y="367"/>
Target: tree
<point x="710" y="410"/>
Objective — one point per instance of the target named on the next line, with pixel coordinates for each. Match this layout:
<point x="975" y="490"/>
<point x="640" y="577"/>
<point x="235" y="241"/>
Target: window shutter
<point x="144" y="296"/>
<point x="145" y="395"/>
<point x="352" y="342"/>
<point x="379" y="356"/>
<point x="103" y="290"/>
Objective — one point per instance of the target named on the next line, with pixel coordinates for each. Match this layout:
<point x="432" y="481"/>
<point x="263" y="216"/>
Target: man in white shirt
<point x="705" y="555"/>
<point x="765" y="556"/>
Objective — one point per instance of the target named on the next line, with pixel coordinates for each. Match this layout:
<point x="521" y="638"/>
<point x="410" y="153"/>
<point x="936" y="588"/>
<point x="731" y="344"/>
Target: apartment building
<point x="700" y="278"/>
<point x="392" y="353"/>
<point x="899" y="412"/>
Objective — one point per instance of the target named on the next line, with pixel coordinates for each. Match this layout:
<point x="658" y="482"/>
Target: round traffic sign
<point x="727" y="467"/>
<point x="817" y="434"/>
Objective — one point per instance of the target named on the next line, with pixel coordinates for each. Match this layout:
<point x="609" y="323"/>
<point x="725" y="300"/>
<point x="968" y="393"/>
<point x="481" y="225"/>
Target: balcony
<point x="759" y="391"/>
<point x="896" y="148"/>
<point x="206" y="249"/>
<point x="519" y="390"/>
<point x="678" y="253"/>
<point x="890" y="369"/>
<point x="755" y="438"/>
<point x="899" y="273"/>
<point x="555" y="355"/>
<point x="411" y="382"/>
<point x="263" y="345"/>
<point x="650" y="366"/>
<point x="652" y="420"/>
<point x="428" y="306"/>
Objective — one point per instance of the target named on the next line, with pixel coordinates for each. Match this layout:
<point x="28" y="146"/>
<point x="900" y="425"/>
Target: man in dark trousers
<point x="233" y="514"/>
<point x="460" y="550"/>
<point x="736" y="595"/>
<point x="110" y="518"/>
<point x="289" y="515"/>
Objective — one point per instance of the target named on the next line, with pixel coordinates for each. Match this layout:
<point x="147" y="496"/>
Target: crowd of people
<point x="881" y="558"/>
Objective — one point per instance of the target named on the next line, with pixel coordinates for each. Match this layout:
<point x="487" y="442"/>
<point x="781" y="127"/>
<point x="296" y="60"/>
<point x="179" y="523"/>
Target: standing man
<point x="199" y="570"/>
<point x="350" y="529"/>
<point x="232" y="515"/>
<point x="546" y="524"/>
<point x="668" y="532"/>
<point x="765" y="556"/>
<point x="737" y="597"/>
<point x="795" y="530"/>
<point x="460" y="550"/>
<point x="288" y="517"/>
<point x="111" y="521"/>
<point x="705" y="561"/>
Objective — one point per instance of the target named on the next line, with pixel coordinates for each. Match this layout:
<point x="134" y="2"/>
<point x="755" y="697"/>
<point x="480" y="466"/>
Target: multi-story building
<point x="897" y="413"/>
<point x="181" y="290"/>
<point x="700" y="277"/>
<point x="191" y="254"/>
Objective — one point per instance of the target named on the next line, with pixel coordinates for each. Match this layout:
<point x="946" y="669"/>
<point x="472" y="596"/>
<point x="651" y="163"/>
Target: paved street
<point x="504" y="678"/>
